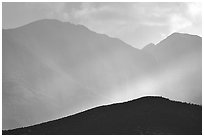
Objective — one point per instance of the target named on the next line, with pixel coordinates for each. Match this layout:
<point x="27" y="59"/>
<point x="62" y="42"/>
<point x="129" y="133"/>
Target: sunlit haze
<point x="59" y="59"/>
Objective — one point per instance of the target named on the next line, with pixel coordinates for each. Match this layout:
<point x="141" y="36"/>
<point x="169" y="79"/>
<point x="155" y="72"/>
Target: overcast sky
<point x="137" y="24"/>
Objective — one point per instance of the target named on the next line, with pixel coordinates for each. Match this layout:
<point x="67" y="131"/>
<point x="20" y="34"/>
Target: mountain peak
<point x="148" y="46"/>
<point x="51" y="24"/>
<point x="180" y="40"/>
<point x="177" y="35"/>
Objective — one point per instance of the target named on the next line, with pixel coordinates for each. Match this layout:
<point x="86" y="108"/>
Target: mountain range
<point x="52" y="69"/>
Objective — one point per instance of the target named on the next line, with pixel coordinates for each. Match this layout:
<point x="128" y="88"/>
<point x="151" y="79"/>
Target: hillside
<point x="146" y="115"/>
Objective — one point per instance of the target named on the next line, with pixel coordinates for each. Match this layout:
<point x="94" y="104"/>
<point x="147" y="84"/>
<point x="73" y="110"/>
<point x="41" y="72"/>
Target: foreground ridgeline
<point x="146" y="115"/>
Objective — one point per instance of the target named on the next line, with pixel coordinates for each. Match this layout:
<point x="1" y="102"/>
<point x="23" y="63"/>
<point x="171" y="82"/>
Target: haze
<point x="52" y="68"/>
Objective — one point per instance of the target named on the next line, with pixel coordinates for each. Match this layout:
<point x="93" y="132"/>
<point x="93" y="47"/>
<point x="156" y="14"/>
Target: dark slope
<point x="146" y="115"/>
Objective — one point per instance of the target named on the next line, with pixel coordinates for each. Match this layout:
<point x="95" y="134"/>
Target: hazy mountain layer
<point x="53" y="69"/>
<point x="180" y="66"/>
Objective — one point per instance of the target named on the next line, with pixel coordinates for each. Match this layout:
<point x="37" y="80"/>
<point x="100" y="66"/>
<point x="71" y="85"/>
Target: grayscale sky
<point x="137" y="24"/>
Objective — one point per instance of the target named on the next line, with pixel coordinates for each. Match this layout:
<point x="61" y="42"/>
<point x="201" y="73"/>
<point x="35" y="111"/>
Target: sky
<point x="137" y="24"/>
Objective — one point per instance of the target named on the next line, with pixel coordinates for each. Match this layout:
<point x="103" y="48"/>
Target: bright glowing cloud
<point x="194" y="8"/>
<point x="177" y="23"/>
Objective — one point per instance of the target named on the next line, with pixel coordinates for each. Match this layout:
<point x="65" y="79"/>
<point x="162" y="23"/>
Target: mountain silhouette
<point x="146" y="115"/>
<point x="51" y="69"/>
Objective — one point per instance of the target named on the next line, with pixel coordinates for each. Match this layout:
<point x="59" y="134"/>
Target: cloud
<point x="127" y="20"/>
<point x="178" y="22"/>
<point x="48" y="10"/>
<point x="194" y="9"/>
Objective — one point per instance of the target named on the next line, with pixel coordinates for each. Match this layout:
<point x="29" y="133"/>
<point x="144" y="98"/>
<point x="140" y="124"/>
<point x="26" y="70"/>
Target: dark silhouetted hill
<point x="146" y="115"/>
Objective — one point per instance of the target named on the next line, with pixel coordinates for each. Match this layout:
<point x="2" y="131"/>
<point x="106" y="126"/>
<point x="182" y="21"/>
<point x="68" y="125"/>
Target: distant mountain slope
<point x="175" y="46"/>
<point x="146" y="115"/>
<point x="179" y="57"/>
<point x="52" y="69"/>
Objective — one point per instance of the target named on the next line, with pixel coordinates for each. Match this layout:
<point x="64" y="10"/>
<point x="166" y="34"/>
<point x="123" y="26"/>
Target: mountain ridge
<point x="149" y="106"/>
<point x="65" y="23"/>
<point x="174" y="34"/>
